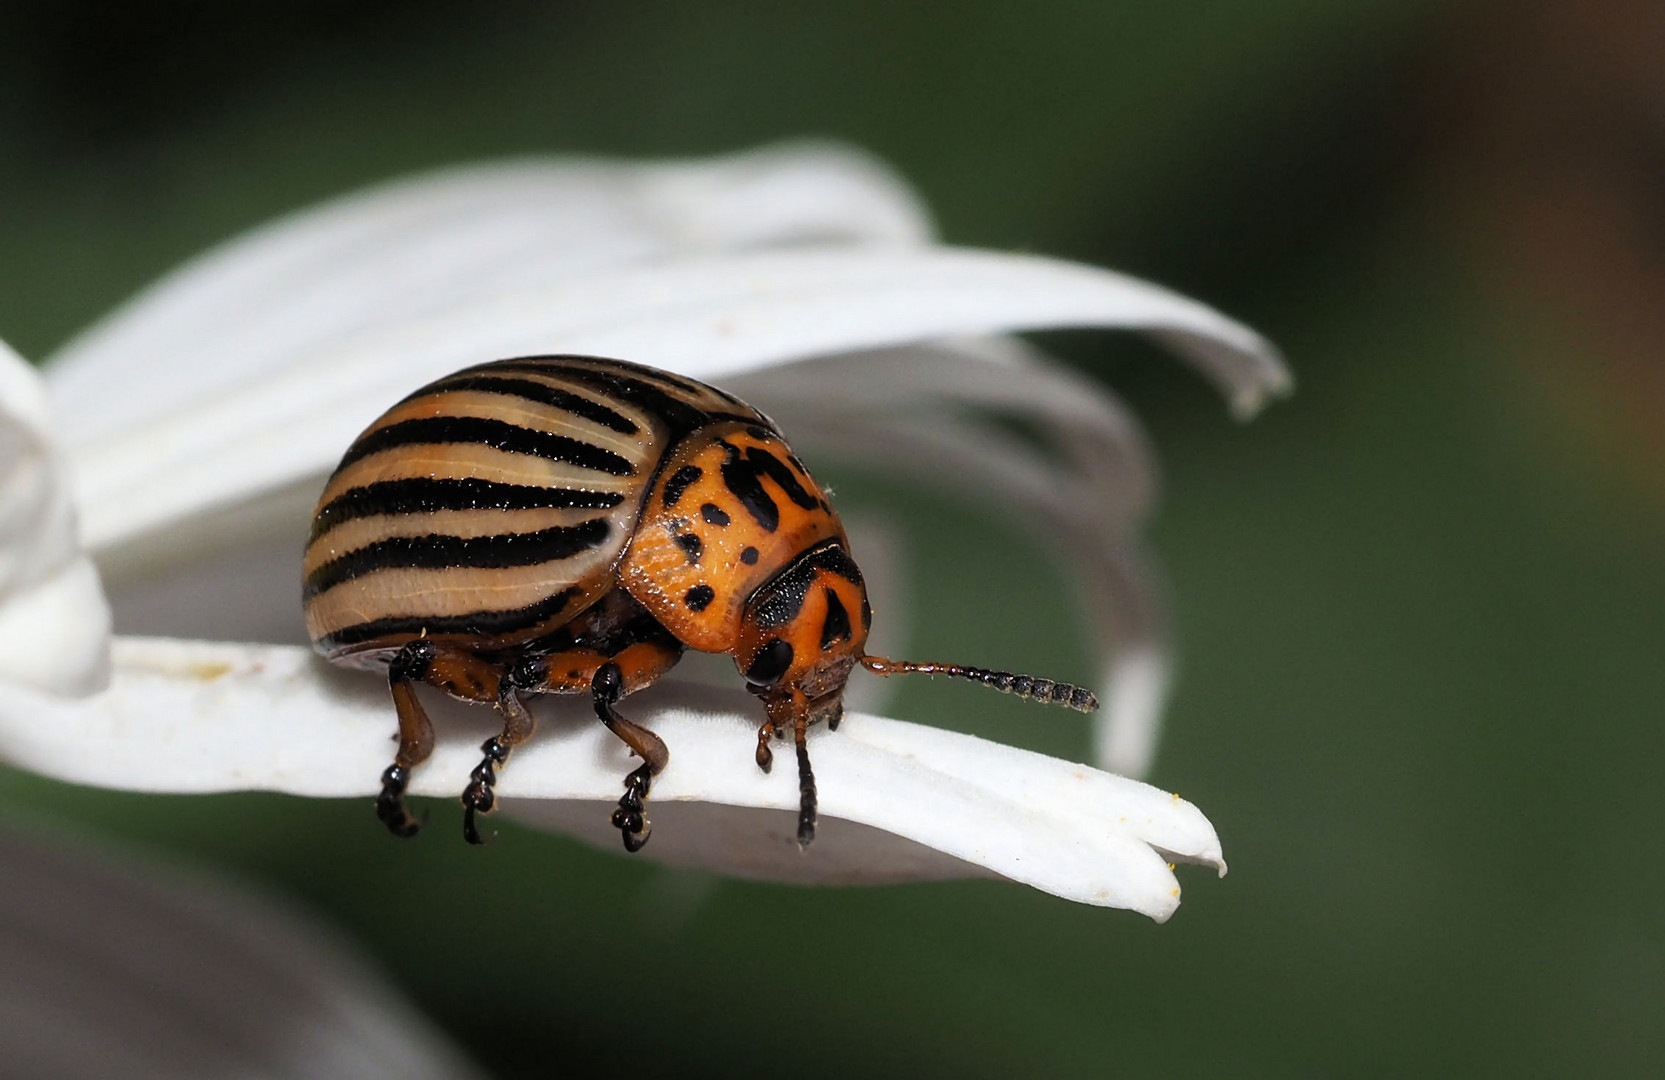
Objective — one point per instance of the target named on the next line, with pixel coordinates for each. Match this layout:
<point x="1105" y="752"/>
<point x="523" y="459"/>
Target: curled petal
<point x="419" y="247"/>
<point x="706" y="318"/>
<point x="194" y="716"/>
<point x="54" y="623"/>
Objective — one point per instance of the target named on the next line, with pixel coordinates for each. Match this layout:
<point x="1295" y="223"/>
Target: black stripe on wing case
<point x="509" y="438"/>
<point x="441" y="552"/>
<point x="475" y="623"/>
<point x="422" y="495"/>
<point x="541" y="393"/>
<point x="661" y="400"/>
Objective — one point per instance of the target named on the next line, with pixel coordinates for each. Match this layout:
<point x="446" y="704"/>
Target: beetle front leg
<point x="789" y="710"/>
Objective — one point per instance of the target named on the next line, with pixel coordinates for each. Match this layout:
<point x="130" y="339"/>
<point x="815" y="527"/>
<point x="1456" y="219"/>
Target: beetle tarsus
<point x="478" y="797"/>
<point x="390" y="804"/>
<point x="630" y="818"/>
<point x="634" y="828"/>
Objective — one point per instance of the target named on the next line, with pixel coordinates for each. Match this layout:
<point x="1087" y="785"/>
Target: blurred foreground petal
<point x="185" y="716"/>
<point x="122" y="970"/>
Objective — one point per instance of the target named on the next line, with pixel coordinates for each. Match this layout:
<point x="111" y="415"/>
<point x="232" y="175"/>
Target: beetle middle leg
<point x="479" y="797"/>
<point x="609" y="678"/>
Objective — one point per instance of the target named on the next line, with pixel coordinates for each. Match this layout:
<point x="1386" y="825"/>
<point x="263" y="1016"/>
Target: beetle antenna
<point x="1046" y="691"/>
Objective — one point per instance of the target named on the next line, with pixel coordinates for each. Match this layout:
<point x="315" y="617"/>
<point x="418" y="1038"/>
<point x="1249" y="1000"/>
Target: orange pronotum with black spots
<point x="569" y="524"/>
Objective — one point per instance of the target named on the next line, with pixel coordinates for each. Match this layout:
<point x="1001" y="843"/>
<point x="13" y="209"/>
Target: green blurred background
<point x="1420" y="607"/>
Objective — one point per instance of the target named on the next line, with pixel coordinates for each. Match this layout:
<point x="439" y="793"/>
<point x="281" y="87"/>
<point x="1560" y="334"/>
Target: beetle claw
<point x="631" y="817"/>
<point x="471" y="831"/>
<point x="390" y="804"/>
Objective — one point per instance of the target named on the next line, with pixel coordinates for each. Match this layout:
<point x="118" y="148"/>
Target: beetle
<point x="570" y="525"/>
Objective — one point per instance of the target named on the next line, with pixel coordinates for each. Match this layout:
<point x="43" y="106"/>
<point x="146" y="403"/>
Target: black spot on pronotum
<point x="740" y="477"/>
<point x="749" y="556"/>
<point x="866" y="614"/>
<point x="679" y="481"/>
<point x="770" y="663"/>
<point x="690" y="545"/>
<point x="766" y="464"/>
<point x="836" y="626"/>
<point x="699" y="597"/>
<point x="714" y="515"/>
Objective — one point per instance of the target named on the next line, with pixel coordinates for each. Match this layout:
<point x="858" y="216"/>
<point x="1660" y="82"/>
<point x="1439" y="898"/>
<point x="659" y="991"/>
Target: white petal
<point x="55" y="634"/>
<point x="118" y="970"/>
<point x="54" y="623"/>
<point x="418" y="247"/>
<point x="196" y="716"/>
<point x="706" y="318"/>
<point x="1126" y="732"/>
<point x="1101" y="445"/>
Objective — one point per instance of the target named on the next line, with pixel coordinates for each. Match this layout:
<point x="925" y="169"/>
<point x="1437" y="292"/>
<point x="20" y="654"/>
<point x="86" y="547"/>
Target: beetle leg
<point x="607" y="688"/>
<point x="518" y="724"/>
<point x="806" y="780"/>
<point x="609" y="679"/>
<point x="790" y="709"/>
<point x="416" y="736"/>
<point x="460" y="674"/>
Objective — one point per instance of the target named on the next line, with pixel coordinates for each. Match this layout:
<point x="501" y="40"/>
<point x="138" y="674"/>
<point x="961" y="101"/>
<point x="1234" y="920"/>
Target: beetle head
<point x="802" y="633"/>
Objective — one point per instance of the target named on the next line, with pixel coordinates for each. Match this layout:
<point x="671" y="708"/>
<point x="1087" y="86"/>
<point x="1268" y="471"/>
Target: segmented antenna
<point x="1028" y="687"/>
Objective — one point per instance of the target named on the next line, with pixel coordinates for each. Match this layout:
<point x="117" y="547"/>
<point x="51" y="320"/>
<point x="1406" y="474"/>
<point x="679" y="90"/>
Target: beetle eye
<point x="770" y="663"/>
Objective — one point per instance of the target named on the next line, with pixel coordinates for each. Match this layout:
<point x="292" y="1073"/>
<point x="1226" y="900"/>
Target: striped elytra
<point x="567" y="524"/>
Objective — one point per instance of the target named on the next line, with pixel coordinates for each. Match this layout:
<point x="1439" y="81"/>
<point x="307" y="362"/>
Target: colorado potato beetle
<point x="570" y="524"/>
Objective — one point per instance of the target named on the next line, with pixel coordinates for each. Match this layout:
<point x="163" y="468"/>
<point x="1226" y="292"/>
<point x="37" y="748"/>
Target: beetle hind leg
<point x="416" y="737"/>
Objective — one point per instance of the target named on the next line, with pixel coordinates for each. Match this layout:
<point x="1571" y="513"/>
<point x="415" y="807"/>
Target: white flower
<point x="199" y="421"/>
